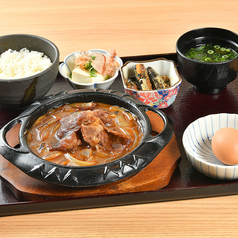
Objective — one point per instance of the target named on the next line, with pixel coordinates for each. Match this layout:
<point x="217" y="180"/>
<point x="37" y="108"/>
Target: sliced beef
<point x="70" y="124"/>
<point x="67" y="143"/>
<point x="93" y="126"/>
<point x="109" y="124"/>
<point x="93" y="132"/>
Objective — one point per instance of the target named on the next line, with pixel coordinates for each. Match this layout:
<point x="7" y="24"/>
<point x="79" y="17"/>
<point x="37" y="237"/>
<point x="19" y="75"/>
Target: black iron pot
<point x="24" y="159"/>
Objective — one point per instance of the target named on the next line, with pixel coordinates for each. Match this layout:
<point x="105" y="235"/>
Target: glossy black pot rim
<point x="130" y="164"/>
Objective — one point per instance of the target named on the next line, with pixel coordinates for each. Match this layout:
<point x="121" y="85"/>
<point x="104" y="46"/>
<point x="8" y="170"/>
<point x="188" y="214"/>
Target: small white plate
<point x="197" y="144"/>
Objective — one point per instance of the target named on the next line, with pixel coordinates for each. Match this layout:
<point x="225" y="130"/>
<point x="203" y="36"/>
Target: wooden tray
<point x="185" y="183"/>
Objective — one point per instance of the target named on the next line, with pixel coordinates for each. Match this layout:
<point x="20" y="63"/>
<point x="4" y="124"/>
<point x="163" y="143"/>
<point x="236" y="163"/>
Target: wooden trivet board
<point x="155" y="176"/>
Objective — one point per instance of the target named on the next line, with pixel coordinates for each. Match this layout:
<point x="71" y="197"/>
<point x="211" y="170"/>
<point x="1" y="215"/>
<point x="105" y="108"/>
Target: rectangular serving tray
<point x="186" y="182"/>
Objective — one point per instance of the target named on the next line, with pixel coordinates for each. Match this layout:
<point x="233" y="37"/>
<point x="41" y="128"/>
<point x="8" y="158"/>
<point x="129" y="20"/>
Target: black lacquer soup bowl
<point x="74" y="176"/>
<point x="207" y="77"/>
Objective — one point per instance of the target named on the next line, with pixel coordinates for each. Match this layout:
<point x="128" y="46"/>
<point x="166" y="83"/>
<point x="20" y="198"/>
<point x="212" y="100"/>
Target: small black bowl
<point x="21" y="92"/>
<point x="207" y="78"/>
<point x="74" y="176"/>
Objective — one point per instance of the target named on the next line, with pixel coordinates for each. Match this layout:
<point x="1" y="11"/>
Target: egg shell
<point x="225" y="145"/>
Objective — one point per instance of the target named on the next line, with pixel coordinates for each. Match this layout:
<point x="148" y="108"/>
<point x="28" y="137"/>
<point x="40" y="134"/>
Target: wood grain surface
<point x="135" y="27"/>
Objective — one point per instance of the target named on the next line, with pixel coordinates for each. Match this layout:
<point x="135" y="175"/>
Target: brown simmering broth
<point x="84" y="134"/>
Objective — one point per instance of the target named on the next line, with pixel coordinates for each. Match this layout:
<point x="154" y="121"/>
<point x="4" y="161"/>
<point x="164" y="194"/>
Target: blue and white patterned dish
<point x="68" y="65"/>
<point x="197" y="144"/>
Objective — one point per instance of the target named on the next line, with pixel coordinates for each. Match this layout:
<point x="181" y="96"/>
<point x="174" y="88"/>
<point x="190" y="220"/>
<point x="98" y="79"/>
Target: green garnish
<point x="107" y="77"/>
<point x="207" y="59"/>
<point x="93" y="72"/>
<point x="88" y="66"/>
<point x="210" y="53"/>
<point x="224" y="56"/>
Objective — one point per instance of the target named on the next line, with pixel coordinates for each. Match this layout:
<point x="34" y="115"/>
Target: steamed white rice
<point x="20" y="64"/>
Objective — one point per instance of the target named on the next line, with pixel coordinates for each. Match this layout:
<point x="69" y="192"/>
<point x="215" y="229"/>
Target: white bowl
<point x="197" y="144"/>
<point x="67" y="66"/>
<point x="160" y="98"/>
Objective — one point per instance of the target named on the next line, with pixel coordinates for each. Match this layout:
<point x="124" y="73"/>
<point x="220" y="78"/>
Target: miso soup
<point x="211" y="53"/>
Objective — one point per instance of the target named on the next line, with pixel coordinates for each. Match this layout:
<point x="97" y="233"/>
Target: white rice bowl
<point x="24" y="63"/>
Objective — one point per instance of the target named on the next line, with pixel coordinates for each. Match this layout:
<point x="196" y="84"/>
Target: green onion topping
<point x="210" y="53"/>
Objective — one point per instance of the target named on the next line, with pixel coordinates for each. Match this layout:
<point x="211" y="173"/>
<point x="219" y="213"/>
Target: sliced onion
<point x="116" y="108"/>
<point x="39" y="120"/>
<point x="52" y="156"/>
<point x="79" y="162"/>
<point x="121" y="121"/>
<point x="55" y="128"/>
<point x="130" y="116"/>
<point x="86" y="152"/>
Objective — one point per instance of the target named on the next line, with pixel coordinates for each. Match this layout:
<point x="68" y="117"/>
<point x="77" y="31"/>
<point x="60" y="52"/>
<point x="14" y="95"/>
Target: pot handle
<point x="163" y="138"/>
<point x="4" y="145"/>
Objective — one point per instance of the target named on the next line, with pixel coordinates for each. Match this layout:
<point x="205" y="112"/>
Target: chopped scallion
<point x="210" y="53"/>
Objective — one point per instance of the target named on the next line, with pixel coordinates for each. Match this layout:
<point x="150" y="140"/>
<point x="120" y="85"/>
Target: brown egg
<point x="225" y="145"/>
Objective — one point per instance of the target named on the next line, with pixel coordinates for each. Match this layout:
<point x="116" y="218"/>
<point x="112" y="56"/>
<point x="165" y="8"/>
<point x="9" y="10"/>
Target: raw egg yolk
<point x="225" y="145"/>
